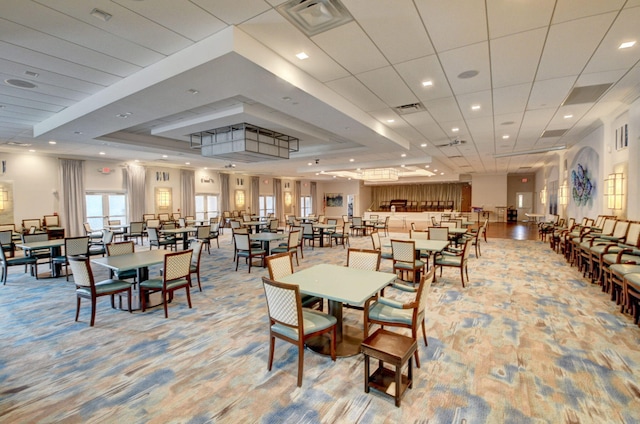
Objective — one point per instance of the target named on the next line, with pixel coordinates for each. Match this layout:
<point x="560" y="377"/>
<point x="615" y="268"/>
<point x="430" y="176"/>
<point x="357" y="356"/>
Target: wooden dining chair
<point x="123" y="248"/>
<point x="404" y="259"/>
<point x="281" y="265"/>
<point x="290" y="322"/>
<point x="176" y="275"/>
<point x="5" y="263"/>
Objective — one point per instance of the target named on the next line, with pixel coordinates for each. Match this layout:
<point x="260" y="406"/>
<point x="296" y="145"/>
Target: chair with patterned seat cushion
<point x="456" y="260"/>
<point x="100" y="247"/>
<point x="245" y="250"/>
<point x="73" y="246"/>
<point x="281" y="265"/>
<point x="87" y="288"/>
<point x="386" y="311"/>
<point x="404" y="259"/>
<point x="5" y="263"/>
<point x="290" y="246"/>
<point x="290" y="322"/>
<point x="122" y="248"/>
<point x="176" y="275"/>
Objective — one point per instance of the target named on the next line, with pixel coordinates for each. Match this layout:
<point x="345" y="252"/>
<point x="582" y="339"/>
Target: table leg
<point x="56" y="269"/>
<point x="348" y="339"/>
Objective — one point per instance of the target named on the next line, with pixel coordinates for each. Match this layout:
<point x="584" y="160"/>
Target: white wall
<point x="489" y="191"/>
<point x="345" y="188"/>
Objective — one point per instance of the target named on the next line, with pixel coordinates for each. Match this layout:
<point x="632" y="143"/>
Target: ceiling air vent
<point x="409" y="108"/>
<point x="16" y="143"/>
<point x="553" y="133"/>
<point x="20" y="83"/>
<point x="315" y="16"/>
<point x="586" y="94"/>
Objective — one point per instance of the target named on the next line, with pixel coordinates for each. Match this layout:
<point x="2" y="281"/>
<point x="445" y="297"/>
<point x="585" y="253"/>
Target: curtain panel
<point x="277" y="193"/>
<point x="188" y="187"/>
<point x="297" y="192"/>
<point x="224" y="193"/>
<point x="255" y="195"/>
<point x="314" y="199"/>
<point x="135" y="182"/>
<point x="73" y="201"/>
<point x="418" y="193"/>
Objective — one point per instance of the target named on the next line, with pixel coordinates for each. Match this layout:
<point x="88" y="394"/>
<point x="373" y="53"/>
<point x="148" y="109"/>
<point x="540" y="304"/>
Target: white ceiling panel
<point x="559" y="58"/>
<point x="235" y="12"/>
<point x="357" y="93"/>
<point x="512" y="64"/>
<point x="508" y="17"/>
<point x="568" y="10"/>
<point x="387" y="84"/>
<point x="444" y="110"/>
<point x="274" y="31"/>
<point x="417" y="71"/>
<point x="381" y="20"/>
<point x="424" y="123"/>
<point x="358" y="55"/>
<point x="474" y="57"/>
<point x="468" y="102"/>
<point x="453" y="23"/>
<point x="511" y="99"/>
<point x="550" y="92"/>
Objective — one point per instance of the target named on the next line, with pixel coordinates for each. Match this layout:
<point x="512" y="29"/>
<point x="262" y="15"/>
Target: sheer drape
<point x="418" y="192"/>
<point x="224" y="192"/>
<point x="297" y="192"/>
<point x="314" y="199"/>
<point x="188" y="187"/>
<point x="255" y="195"/>
<point x="277" y="193"/>
<point x="72" y="199"/>
<point x="135" y="181"/>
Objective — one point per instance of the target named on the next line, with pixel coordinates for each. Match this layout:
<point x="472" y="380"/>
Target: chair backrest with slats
<point x="273" y="225"/>
<point x="403" y="250"/>
<point x="283" y="302"/>
<point x="280" y="265"/>
<point x="294" y="239"/>
<point x="121" y="248"/>
<point x="363" y="259"/>
<point x="177" y="265"/>
<point x="76" y="246"/>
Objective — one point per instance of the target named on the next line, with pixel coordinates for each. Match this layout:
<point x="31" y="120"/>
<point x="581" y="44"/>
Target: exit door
<point x="524" y="203"/>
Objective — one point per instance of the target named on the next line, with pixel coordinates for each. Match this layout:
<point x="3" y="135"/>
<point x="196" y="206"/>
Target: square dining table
<point x="266" y="238"/>
<point x="339" y="285"/>
<point x="323" y="230"/>
<point x="140" y="261"/>
<point x="55" y="249"/>
<point x="185" y="234"/>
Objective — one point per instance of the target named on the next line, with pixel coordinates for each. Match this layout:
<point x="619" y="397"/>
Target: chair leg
<point x="77" y="308"/>
<point x="188" y="296"/>
<point x="165" y="303"/>
<point x="300" y="361"/>
<point x="424" y="334"/>
<point x="272" y="342"/>
<point x="129" y="299"/>
<point x="93" y="311"/>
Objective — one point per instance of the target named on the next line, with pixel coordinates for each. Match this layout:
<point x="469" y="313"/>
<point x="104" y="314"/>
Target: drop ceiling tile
<point x="357" y="93"/>
<point x="358" y="55"/>
<point x="550" y="92"/>
<point x="415" y="72"/>
<point x="444" y="110"/>
<point x="480" y="98"/>
<point x="426" y="125"/>
<point x="381" y="20"/>
<point x="453" y="23"/>
<point x="568" y="10"/>
<point x="507" y="17"/>
<point x="514" y="59"/>
<point x="387" y="84"/>
<point x="235" y="12"/>
<point x="511" y="99"/>
<point x="474" y="57"/>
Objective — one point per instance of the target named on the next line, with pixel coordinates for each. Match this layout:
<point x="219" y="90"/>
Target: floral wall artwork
<point x="582" y="187"/>
<point x="583" y="177"/>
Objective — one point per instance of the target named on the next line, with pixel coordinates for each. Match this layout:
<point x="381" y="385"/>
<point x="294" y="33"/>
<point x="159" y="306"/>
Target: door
<point x="465" y="203"/>
<point x="524" y="204"/>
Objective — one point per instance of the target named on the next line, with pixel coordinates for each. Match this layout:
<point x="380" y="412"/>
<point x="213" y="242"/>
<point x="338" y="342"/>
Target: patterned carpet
<point x="528" y="341"/>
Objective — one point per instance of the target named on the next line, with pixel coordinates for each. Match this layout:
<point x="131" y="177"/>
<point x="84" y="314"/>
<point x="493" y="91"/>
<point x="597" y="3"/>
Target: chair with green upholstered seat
<point x="73" y="246"/>
<point x="281" y="265"/>
<point x="156" y="240"/>
<point x="122" y="248"/>
<point x="290" y="246"/>
<point x="196" y="245"/>
<point x="87" y="288"/>
<point x="290" y="322"/>
<point x="405" y="260"/>
<point x="457" y="260"/>
<point x="5" y="263"/>
<point x="377" y="245"/>
<point x="176" y="275"/>
<point x="386" y="311"/>
<point x="244" y="249"/>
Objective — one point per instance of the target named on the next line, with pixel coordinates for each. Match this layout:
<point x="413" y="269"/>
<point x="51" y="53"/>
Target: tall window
<point x="305" y="205"/>
<point x="267" y="205"/>
<point x="105" y="206"/>
<point x="206" y="206"/>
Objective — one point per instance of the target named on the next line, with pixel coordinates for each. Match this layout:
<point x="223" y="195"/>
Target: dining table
<point x="55" y="249"/>
<point x="140" y="261"/>
<point x="254" y="226"/>
<point x="324" y="230"/>
<point x="339" y="285"/>
<point x="185" y="233"/>
<point x="431" y="246"/>
<point x="266" y="238"/>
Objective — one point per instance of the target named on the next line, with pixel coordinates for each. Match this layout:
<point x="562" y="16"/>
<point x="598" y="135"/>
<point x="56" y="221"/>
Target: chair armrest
<point x="392" y="303"/>
<point x="404" y="287"/>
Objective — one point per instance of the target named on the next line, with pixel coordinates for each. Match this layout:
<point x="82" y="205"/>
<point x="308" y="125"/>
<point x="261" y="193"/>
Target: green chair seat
<point x="313" y="321"/>
<point x="157" y="283"/>
<point x="105" y="286"/>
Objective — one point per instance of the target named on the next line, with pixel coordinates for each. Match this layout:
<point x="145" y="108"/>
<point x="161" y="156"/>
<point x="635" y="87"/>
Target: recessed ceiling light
<point x="100" y="14"/>
<point x="317" y="173"/>
<point x="427" y="166"/>
<point x="505" y="137"/>
<point x="77" y="132"/>
<point x="455" y="129"/>
<point x="627" y="44"/>
<point x="568" y="116"/>
<point x="205" y="168"/>
<point x="302" y="56"/>
<point x="442" y="173"/>
<point x="435" y="170"/>
<point x="31" y="150"/>
<point x="192" y="91"/>
<point x="427" y="83"/>
<point x="124" y="115"/>
<point x="335" y="176"/>
<point x="423" y="145"/>
<point x="102" y="153"/>
<point x="309" y="163"/>
<point x="402" y="166"/>
<point x="352" y="160"/>
<point x="358" y="169"/>
<point x="404" y="155"/>
<point x="391" y="120"/>
<point x="187" y="163"/>
<point x="475" y="107"/>
<point x="136" y="161"/>
<point x="165" y="156"/>
<point x="52" y="142"/>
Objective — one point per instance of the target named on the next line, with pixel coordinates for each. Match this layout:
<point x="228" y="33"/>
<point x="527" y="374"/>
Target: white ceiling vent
<point x="586" y="94"/>
<point x="315" y="16"/>
<point x="553" y="133"/>
<point x="409" y="108"/>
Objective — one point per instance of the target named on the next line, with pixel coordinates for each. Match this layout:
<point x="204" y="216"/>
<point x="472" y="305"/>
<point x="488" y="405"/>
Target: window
<point x="105" y="206"/>
<point x="305" y="205"/>
<point x="520" y="201"/>
<point x="206" y="206"/>
<point x="266" y="205"/>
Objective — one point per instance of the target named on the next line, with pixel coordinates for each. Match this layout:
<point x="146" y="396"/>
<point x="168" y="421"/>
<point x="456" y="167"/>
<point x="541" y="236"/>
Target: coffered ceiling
<point x="453" y="85"/>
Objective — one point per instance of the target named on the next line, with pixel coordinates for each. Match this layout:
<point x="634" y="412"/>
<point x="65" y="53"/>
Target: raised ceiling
<point x="135" y="85"/>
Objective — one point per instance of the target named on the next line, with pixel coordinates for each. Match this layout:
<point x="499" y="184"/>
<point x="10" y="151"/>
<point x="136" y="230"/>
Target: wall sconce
<point x="543" y="195"/>
<point x="287" y="198"/>
<point x="163" y="198"/>
<point x="4" y="199"/>
<point x="563" y="194"/>
<point x="614" y="190"/>
<point x="239" y="199"/>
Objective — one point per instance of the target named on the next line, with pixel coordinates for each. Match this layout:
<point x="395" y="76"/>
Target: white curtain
<point x="135" y="177"/>
<point x="297" y="192"/>
<point x="314" y="199"/>
<point x="255" y="195"/>
<point x="277" y="193"/>
<point x="72" y="199"/>
<point x="224" y="193"/>
<point x="188" y="186"/>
